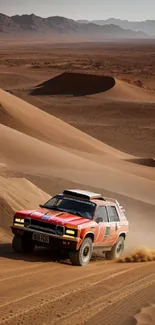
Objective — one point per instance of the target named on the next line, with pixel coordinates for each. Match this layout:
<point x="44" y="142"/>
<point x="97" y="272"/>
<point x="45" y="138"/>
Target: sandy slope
<point x="123" y="117"/>
<point x="37" y="123"/>
<point x="17" y="194"/>
<point x="35" y="155"/>
<point x="36" y="289"/>
<point x="126" y="92"/>
<point x="21" y="193"/>
<point x="30" y="155"/>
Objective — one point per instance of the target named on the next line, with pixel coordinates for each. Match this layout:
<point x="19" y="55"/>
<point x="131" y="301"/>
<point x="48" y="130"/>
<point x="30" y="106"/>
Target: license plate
<point x="40" y="237"/>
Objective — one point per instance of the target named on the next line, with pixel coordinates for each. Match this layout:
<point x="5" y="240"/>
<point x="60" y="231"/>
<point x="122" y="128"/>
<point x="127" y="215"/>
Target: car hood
<point x="54" y="217"/>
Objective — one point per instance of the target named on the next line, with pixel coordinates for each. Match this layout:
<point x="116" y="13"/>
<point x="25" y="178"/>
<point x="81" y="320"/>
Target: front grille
<point x="39" y="225"/>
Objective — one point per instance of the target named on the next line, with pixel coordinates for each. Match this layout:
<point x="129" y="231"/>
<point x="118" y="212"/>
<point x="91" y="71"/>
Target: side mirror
<point x="99" y="219"/>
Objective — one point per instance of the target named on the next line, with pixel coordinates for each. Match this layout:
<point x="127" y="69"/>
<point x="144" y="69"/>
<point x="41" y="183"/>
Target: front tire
<point x="21" y="245"/>
<point x="83" y="255"/>
<point x="117" y="250"/>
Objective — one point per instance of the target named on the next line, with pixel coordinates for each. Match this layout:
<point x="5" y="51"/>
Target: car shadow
<point x="40" y="254"/>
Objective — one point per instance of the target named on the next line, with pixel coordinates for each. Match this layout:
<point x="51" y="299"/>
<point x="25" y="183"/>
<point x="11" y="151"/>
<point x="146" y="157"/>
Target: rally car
<point x="75" y="221"/>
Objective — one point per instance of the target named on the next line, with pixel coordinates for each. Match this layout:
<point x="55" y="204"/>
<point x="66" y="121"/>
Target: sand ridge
<point x="47" y="127"/>
<point x="81" y="84"/>
<point x="76" y="84"/>
<point x="34" y="157"/>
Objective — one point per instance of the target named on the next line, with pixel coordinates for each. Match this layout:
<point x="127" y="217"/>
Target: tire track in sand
<point x="90" y="279"/>
<point x="28" y="284"/>
<point x="53" y="308"/>
<point x="106" y="302"/>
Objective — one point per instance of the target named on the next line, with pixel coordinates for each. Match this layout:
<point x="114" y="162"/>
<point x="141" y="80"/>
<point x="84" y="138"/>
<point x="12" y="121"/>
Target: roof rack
<point x="115" y="201"/>
<point x="82" y="194"/>
<point x="111" y="200"/>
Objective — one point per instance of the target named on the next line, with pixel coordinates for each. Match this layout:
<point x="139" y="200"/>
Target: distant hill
<point x="7" y="24"/>
<point x="84" y="21"/>
<point x="62" y="26"/>
<point x="147" y="26"/>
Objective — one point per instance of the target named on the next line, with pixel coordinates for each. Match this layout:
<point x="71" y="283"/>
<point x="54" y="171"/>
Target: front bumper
<point x="55" y="241"/>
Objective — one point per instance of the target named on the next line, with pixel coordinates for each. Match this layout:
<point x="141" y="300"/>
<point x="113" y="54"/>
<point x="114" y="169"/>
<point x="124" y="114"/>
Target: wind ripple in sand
<point x="139" y="255"/>
<point x="146" y="316"/>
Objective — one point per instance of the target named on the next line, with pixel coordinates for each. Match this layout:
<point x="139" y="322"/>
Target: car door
<point x="114" y="221"/>
<point x="103" y="227"/>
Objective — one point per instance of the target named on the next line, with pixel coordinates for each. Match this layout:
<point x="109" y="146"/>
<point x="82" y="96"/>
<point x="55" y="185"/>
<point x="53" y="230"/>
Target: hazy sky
<point x="82" y="9"/>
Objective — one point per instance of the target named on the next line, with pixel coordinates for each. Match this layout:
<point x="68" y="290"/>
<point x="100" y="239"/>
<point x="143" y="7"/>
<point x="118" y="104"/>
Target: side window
<point x="102" y="213"/>
<point x="112" y="213"/>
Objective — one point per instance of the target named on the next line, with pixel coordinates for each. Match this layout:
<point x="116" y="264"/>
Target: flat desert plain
<point x="78" y="116"/>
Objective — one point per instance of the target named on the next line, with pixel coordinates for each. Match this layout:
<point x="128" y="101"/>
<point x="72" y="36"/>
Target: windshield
<point x="84" y="209"/>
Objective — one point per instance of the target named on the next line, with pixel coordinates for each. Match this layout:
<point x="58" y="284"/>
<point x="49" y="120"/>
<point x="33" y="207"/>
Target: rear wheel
<point x="83" y="255"/>
<point x="117" y="250"/>
<point x="21" y="245"/>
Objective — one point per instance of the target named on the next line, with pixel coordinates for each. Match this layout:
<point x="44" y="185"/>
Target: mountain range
<point x="147" y="26"/>
<point x="26" y="24"/>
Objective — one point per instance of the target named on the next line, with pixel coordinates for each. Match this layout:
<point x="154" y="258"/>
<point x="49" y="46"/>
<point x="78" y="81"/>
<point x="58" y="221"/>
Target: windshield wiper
<point x="50" y="208"/>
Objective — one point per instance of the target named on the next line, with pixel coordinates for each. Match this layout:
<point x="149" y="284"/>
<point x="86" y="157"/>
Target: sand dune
<point x="55" y="159"/>
<point x="146" y="316"/>
<point x="150" y="162"/>
<point x="17" y="194"/>
<point x="27" y="118"/>
<point x="20" y="193"/>
<point x="26" y="154"/>
<point x="127" y="92"/>
<point x="76" y="84"/>
<point x="80" y="84"/>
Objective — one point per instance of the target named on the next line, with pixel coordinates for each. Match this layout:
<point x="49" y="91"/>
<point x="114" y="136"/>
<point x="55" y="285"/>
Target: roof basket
<point x="114" y="201"/>
<point x="81" y="194"/>
<point x="111" y="200"/>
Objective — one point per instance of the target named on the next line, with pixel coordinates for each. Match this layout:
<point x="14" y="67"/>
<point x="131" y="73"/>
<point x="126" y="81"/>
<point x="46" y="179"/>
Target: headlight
<point x="70" y="232"/>
<point x="19" y="220"/>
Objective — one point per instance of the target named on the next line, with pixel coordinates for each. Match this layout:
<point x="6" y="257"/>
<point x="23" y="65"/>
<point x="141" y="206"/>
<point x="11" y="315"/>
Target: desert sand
<point x="146" y="315"/>
<point x="85" y="127"/>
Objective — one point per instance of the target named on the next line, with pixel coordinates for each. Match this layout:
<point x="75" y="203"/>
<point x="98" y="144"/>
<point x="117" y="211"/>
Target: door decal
<point x="107" y="231"/>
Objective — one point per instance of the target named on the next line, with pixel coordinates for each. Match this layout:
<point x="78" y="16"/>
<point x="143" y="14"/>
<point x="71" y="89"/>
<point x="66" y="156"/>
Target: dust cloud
<point x="139" y="255"/>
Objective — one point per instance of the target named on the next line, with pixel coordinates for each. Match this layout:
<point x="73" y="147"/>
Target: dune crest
<point x="29" y="155"/>
<point x="150" y="162"/>
<point x="28" y="119"/>
<point x="81" y="84"/>
<point x="76" y="84"/>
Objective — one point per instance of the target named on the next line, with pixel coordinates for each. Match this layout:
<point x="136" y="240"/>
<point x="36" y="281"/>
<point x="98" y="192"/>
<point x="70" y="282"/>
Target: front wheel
<point x="21" y="245"/>
<point x="117" y="250"/>
<point x="83" y="255"/>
